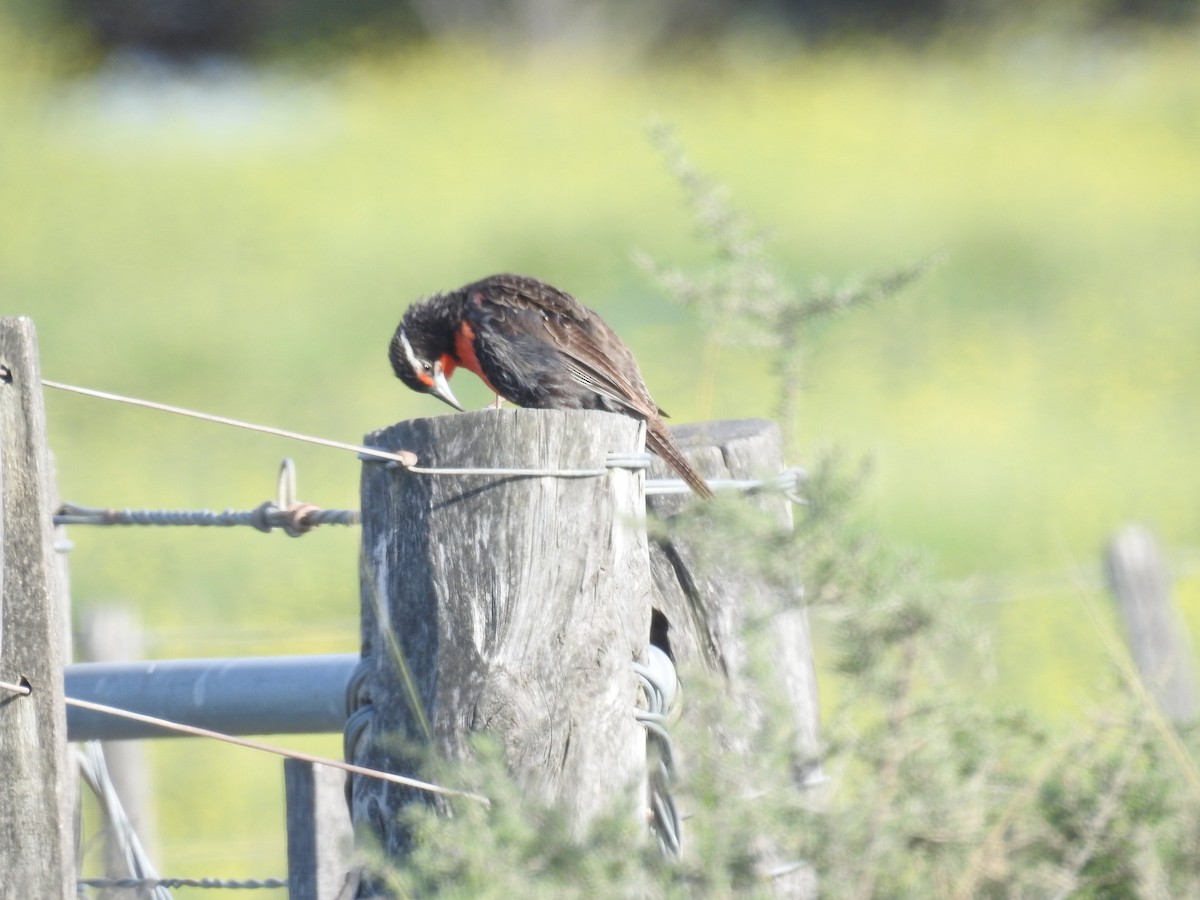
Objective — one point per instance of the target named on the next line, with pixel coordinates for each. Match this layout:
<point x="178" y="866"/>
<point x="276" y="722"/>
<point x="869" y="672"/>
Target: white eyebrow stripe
<point x="408" y="352"/>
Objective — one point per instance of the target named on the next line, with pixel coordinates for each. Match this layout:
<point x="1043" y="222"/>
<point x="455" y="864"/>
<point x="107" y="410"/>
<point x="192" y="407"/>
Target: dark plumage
<point x="536" y="347"/>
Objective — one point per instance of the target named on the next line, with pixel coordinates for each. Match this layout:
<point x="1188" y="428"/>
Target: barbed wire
<point x="286" y="511"/>
<point x="265" y="518"/>
<point x="147" y="883"/>
<point x="301" y="518"/>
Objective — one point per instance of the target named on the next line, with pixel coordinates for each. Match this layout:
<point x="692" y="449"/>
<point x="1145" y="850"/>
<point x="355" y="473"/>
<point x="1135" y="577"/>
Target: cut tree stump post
<point x="37" y="854"/>
<point x="516" y="605"/>
<point x="1157" y="638"/>
<point x="512" y="605"/>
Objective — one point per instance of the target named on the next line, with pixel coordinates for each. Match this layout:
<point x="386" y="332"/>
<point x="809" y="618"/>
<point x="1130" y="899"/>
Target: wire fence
<point x="162" y="884"/>
<point x="660" y="687"/>
<point x="94" y="768"/>
<point x="287" y="513"/>
<point x="143" y="876"/>
<point x="295" y="518"/>
<point x="196" y="731"/>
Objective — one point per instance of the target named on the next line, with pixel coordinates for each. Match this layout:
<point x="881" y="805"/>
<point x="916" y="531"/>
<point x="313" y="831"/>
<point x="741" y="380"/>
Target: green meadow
<point x="245" y="244"/>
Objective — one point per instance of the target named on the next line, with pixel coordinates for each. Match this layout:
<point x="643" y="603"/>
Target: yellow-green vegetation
<point x="245" y="243"/>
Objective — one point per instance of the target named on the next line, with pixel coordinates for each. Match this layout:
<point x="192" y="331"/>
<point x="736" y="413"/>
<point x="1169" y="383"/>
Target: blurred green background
<point x="236" y="223"/>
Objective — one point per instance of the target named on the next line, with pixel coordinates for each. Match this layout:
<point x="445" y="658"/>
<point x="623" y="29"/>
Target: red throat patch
<point x="464" y="350"/>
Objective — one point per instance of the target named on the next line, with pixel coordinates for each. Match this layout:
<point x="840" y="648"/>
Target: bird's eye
<point x="428" y="367"/>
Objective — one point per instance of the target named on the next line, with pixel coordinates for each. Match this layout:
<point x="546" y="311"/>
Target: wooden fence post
<point x="513" y="605"/>
<point x="706" y="599"/>
<point x="37" y="857"/>
<point x="1157" y="638"/>
<point x="319" y="836"/>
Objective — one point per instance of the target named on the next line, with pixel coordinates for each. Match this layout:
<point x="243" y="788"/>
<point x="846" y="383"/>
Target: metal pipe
<point x="255" y="695"/>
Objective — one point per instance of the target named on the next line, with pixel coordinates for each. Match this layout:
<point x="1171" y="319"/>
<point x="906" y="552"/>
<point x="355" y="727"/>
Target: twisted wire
<point x="265" y="517"/>
<point x="660" y="687"/>
<point x="94" y="768"/>
<point x="156" y="883"/>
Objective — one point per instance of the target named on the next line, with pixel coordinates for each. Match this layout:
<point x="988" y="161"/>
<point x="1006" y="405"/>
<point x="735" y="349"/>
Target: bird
<point x="535" y="346"/>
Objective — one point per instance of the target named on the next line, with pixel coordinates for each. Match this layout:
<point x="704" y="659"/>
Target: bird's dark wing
<point x="542" y="348"/>
<point x="550" y="345"/>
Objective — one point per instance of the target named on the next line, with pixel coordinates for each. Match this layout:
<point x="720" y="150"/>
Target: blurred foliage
<point x="243" y="240"/>
<point x="648" y="27"/>
<point x="928" y="792"/>
<point x="741" y="298"/>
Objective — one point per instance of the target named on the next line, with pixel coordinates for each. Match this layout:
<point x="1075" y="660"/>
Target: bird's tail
<point x="659" y="440"/>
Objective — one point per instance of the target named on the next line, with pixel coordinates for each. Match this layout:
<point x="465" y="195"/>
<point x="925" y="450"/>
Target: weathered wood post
<point x="707" y="598"/>
<point x="706" y="595"/>
<point x="319" y="837"/>
<point x="510" y="604"/>
<point x="37" y="856"/>
<point x="1157" y="638"/>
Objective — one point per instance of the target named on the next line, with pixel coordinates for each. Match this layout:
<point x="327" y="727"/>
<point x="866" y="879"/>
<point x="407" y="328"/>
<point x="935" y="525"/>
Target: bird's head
<point x="421" y="352"/>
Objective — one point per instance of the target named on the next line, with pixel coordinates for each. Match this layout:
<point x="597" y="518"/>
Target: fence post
<point x="319" y="836"/>
<point x="37" y="856"/>
<point x="705" y="595"/>
<point x="1157" y="638"/>
<point x="513" y="605"/>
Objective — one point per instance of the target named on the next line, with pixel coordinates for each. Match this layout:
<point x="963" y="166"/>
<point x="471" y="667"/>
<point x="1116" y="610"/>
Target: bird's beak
<point x="441" y="389"/>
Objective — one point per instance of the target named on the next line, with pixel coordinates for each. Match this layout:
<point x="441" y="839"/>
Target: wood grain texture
<point x="517" y="605"/>
<point x="36" y="832"/>
<point x="319" y="836"/>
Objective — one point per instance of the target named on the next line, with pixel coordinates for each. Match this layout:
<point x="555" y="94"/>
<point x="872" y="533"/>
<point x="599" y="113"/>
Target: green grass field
<point x="245" y="248"/>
